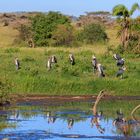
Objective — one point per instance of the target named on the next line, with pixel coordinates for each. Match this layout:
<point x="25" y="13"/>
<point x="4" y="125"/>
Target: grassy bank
<point x="64" y="79"/>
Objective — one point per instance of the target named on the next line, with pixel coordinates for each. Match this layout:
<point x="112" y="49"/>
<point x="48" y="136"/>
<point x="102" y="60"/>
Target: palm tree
<point x="124" y="16"/>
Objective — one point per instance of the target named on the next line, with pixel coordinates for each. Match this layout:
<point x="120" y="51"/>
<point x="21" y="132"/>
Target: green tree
<point x="124" y="15"/>
<point x="43" y="26"/>
<point x="25" y="32"/>
<point x="92" y="33"/>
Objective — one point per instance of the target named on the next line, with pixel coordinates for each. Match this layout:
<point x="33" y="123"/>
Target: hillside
<point x="7" y="36"/>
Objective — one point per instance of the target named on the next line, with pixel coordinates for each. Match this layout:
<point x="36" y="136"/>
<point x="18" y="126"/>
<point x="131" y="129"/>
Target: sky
<point x="68" y="7"/>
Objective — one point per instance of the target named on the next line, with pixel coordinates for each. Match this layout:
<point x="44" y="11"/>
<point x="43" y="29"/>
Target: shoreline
<point x="45" y="98"/>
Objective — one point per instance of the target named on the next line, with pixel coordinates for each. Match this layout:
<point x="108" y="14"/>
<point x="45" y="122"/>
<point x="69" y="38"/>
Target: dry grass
<point x="112" y="32"/>
<point x="7" y="36"/>
<point x="95" y="49"/>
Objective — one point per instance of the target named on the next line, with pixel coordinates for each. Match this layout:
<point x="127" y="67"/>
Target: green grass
<point x="64" y="79"/>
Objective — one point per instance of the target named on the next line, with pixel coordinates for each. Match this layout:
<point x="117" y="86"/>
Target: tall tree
<point x="124" y="16"/>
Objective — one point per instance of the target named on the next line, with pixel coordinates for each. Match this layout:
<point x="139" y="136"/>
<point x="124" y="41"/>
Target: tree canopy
<point x="93" y="33"/>
<point x="122" y="11"/>
<point x="44" y="24"/>
<point x="125" y="30"/>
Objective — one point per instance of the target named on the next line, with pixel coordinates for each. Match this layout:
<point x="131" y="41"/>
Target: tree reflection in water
<point x="51" y="117"/>
<point x="97" y="115"/>
<point x="96" y="120"/>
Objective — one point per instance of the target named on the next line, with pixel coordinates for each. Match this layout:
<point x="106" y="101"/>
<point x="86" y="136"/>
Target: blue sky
<point x="70" y="7"/>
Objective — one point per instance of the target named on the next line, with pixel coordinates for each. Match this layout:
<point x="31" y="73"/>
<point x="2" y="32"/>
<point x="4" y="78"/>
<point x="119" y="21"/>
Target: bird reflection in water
<point x="127" y="127"/>
<point x="51" y="117"/>
<point x="16" y="114"/>
<point x="70" y="123"/>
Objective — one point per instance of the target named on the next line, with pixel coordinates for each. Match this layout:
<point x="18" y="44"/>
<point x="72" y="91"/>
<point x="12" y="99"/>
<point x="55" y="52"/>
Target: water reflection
<point x="96" y="120"/>
<point x="51" y="117"/>
<point x="68" y="120"/>
<point x="16" y="114"/>
<point x="126" y="127"/>
<point x="70" y="123"/>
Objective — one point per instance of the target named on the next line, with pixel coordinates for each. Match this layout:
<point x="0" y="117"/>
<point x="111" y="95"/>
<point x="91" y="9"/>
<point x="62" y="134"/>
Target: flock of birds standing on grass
<point x="97" y="67"/>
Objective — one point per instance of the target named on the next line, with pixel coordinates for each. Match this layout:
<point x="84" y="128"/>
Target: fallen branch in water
<point x="133" y="111"/>
<point x="100" y="95"/>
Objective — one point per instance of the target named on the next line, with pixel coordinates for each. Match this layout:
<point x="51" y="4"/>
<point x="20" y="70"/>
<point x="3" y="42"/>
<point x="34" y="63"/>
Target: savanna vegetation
<point x="129" y="28"/>
<point x="64" y="79"/>
<point x="55" y="34"/>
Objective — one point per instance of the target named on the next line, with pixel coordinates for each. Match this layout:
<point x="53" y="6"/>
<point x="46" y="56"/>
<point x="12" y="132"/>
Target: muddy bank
<point x="47" y="99"/>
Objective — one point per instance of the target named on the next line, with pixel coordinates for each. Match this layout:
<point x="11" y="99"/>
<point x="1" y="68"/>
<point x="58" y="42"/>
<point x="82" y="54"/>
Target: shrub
<point x="63" y="35"/>
<point x="25" y="32"/>
<point x="133" y="44"/>
<point x="92" y="33"/>
<point x="44" y="25"/>
<point x="120" y="49"/>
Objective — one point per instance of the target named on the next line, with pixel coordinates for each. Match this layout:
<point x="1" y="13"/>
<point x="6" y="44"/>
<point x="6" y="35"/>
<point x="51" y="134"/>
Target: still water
<point x="68" y="120"/>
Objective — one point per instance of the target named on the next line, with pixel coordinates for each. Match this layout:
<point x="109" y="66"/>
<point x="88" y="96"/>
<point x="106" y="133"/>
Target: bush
<point x="133" y="44"/>
<point x="92" y="33"/>
<point x="63" y="35"/>
<point x="120" y="49"/>
<point x="25" y="32"/>
<point x="44" y="25"/>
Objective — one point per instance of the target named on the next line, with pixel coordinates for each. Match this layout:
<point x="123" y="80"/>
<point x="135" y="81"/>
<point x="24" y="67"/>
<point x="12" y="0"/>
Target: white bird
<point x="17" y="63"/>
<point x="49" y="65"/>
<point x="100" y="70"/>
<point x="94" y="63"/>
<point x="53" y="59"/>
<point x="70" y="123"/>
<point x="71" y="58"/>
